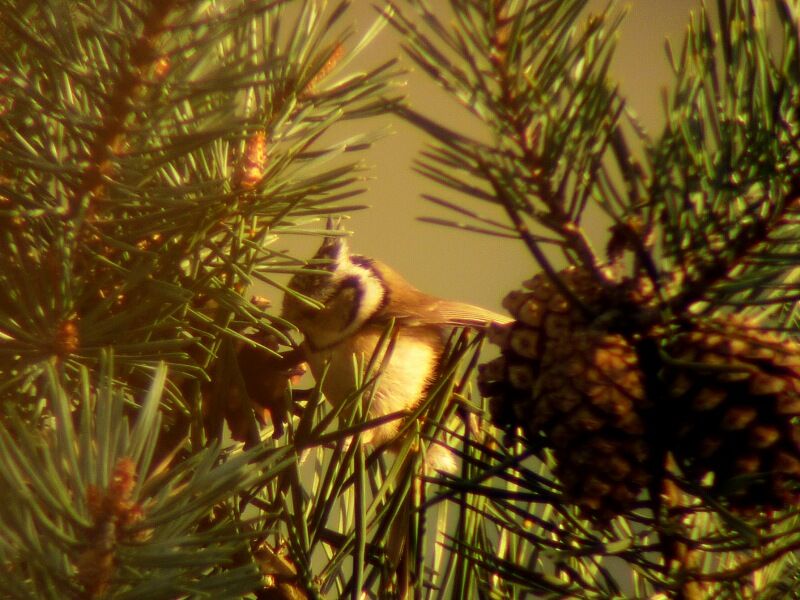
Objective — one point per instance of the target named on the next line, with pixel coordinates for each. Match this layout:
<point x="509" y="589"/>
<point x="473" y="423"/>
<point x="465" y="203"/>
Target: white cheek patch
<point x="354" y="294"/>
<point x="369" y="298"/>
<point x="373" y="295"/>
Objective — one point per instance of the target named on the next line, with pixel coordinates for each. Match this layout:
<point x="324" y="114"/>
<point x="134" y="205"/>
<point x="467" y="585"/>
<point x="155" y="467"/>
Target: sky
<point x="460" y="265"/>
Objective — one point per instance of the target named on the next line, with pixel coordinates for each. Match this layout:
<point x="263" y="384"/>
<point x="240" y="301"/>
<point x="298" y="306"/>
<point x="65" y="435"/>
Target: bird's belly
<point x="404" y="377"/>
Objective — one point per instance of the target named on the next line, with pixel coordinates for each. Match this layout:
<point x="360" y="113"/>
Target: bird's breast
<point x="405" y="373"/>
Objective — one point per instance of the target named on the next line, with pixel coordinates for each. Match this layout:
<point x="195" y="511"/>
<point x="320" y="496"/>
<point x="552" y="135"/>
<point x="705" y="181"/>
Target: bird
<point x="343" y="303"/>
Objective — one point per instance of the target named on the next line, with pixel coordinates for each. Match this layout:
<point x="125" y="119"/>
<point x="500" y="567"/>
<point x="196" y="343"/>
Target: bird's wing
<point x="411" y="306"/>
<point x="467" y="315"/>
<point x="435" y="311"/>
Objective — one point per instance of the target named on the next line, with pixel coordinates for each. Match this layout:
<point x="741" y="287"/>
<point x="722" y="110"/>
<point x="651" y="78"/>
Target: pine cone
<point x="574" y="389"/>
<point x="738" y="394"/>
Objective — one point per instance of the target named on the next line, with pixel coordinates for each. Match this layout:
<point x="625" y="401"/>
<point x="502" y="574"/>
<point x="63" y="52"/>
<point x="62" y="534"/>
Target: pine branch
<point x="109" y="140"/>
<point x="751" y="239"/>
<point x="88" y="515"/>
<point x="732" y="149"/>
<point x="519" y="109"/>
<point x="718" y="186"/>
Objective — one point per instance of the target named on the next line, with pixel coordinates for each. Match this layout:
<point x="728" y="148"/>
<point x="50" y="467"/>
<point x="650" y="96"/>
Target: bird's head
<point x="321" y="276"/>
<point x="335" y="294"/>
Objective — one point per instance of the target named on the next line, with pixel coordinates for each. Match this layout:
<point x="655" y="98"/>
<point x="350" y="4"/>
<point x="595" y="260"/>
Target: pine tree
<point x="637" y="436"/>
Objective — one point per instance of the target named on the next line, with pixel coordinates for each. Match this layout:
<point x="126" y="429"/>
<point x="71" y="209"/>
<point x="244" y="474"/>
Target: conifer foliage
<point x="638" y="435"/>
<point x="656" y="382"/>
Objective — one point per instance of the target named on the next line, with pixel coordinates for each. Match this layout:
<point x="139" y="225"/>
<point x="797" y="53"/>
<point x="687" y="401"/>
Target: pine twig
<point x="110" y="137"/>
<point x="749" y="237"/>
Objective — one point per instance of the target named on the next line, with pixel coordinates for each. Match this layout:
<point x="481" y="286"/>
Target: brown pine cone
<point x="574" y="389"/>
<point x="737" y="393"/>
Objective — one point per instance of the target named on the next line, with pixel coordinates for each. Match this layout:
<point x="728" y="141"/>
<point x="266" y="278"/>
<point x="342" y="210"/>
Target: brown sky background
<point x="461" y="265"/>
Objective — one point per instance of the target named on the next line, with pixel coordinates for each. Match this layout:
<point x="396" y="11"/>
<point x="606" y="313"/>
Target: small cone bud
<point x="336" y="55"/>
<point x="254" y="162"/>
